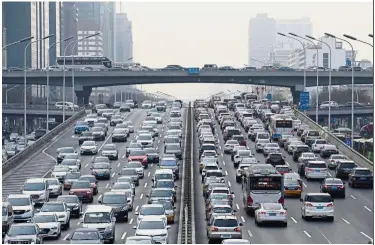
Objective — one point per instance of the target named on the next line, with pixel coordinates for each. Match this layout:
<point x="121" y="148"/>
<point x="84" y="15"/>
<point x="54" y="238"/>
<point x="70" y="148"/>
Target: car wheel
<point x="285" y="224"/>
<point x="331" y="219"/>
<point x="92" y="199"/>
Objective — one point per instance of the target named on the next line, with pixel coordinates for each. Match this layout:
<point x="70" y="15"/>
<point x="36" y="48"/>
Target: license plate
<point x="317" y="171"/>
<point x="226" y="236"/>
<point x="319" y="207"/>
<point x="272" y="214"/>
<point x="334" y="187"/>
<point x="363" y="178"/>
<point x="292" y="188"/>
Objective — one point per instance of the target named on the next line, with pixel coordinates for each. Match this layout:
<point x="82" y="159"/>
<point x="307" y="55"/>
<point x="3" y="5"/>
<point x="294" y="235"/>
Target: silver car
<point x="130" y="172"/>
<point x="60" y="209"/>
<point x="173" y="149"/>
<point x="48" y="224"/>
<point x="110" y="151"/>
<point x="54" y="187"/>
<point x="24" y="233"/>
<point x="260" y="144"/>
<point x="129" y="125"/>
<point x="154" y="227"/>
<point x="86" y="236"/>
<point x="23" y="206"/>
<point x="229" y="145"/>
<point x="271" y="148"/>
<point x="123" y="184"/>
<point x="223" y="227"/>
<point x="89" y="147"/>
<point x="271" y="213"/>
<point x="138" y="166"/>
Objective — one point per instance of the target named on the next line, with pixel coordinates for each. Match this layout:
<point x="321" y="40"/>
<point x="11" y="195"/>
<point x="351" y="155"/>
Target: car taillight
<point x="281" y="200"/>
<point x="308" y="204"/>
<point x="283" y="212"/>
<point x="262" y="212"/>
<point x="249" y="201"/>
<point x="330" y="205"/>
<point x="309" y="169"/>
<point x="238" y="229"/>
<point x="341" y="187"/>
<point x="326" y="186"/>
<point x="213" y="228"/>
<point x="300" y="188"/>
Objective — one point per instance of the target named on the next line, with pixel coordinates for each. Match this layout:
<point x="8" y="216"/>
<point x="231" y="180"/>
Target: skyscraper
<point x="69" y="25"/>
<point x="124" y="39"/>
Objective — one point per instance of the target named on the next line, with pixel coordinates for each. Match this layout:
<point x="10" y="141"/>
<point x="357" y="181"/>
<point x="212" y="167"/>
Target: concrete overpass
<point x="86" y="80"/>
<point x="343" y="111"/>
<point x="35" y="111"/>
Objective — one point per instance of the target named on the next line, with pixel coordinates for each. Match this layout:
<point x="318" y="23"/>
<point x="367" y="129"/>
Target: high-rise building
<point x="107" y="28"/>
<point x="69" y="25"/>
<point x="54" y="27"/>
<point x="123" y="39"/>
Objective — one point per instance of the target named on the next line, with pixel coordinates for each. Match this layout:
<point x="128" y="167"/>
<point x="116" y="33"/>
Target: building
<point x="263" y="38"/>
<point x="107" y="28"/>
<point x="69" y="26"/>
<point x="123" y="39"/>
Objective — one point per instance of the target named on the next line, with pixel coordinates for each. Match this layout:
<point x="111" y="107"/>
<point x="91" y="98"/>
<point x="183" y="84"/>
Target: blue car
<point x="80" y="127"/>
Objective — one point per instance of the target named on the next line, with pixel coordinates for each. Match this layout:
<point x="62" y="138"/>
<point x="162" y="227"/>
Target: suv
<point x="24" y="233"/>
<point x="344" y="167"/>
<point x="7" y="217"/>
<point x="23" y="206"/>
<point x="38" y="190"/>
<point x="61" y="210"/>
<point x="223" y="227"/>
<point x="317" y="205"/>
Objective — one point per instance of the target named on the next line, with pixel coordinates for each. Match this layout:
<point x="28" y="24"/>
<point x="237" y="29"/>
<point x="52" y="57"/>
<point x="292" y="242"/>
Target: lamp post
<point x="355" y="39"/>
<point x="317" y="75"/>
<point x="351" y="46"/>
<point x="370" y="35"/>
<point x="48" y="90"/>
<point x="6" y="93"/>
<point x="330" y="76"/>
<point x="17" y="42"/>
<point x="25" y="80"/>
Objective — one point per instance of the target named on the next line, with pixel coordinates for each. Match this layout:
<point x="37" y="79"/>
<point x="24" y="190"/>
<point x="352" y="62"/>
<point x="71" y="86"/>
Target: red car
<point x="93" y="181"/>
<point x="83" y="190"/>
<point x="283" y="169"/>
<point x="140" y="156"/>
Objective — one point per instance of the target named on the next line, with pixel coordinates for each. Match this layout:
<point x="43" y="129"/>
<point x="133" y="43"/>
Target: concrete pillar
<point x="83" y="95"/>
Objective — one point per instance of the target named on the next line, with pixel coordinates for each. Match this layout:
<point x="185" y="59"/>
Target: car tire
<point x="331" y="219"/>
<point x="91" y="200"/>
<point x="285" y="224"/>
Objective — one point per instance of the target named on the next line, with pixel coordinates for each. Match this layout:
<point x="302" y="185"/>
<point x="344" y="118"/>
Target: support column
<point x="295" y="95"/>
<point x="83" y="95"/>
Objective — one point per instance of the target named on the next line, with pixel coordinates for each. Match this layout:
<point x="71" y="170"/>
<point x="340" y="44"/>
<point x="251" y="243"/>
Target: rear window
<point x="225" y="223"/>
<point x="363" y="172"/>
<point x="319" y="198"/>
<point x="303" y="149"/>
<point x="317" y="165"/>
<point x="313" y="133"/>
<point x="348" y="165"/>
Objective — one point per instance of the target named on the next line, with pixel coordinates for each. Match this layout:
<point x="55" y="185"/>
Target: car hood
<point x="173" y="151"/>
<point x="47" y="225"/>
<point x="22" y="208"/>
<point x="88" y="147"/>
<point x="51" y="187"/>
<point x="85" y="242"/>
<point x="34" y="192"/>
<point x="151" y="232"/>
<point x="109" y="152"/>
<point x="80" y="190"/>
<point x="96" y="225"/>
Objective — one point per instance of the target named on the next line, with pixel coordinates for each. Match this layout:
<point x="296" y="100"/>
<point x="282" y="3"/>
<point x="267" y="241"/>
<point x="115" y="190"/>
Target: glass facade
<point x="325" y="60"/>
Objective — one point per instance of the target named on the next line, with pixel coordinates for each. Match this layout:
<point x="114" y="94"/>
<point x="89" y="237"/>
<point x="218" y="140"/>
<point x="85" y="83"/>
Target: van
<point x="163" y="174"/>
<point x="100" y="217"/>
<point x="316" y="170"/>
<point x="7" y="216"/>
<point x="38" y="189"/>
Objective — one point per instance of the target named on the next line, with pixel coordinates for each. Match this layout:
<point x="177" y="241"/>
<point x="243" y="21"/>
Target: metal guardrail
<point x="34" y="107"/>
<point x="341" y="146"/>
<point x="38" y="145"/>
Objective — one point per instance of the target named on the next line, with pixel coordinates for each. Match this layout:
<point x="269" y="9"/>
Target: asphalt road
<point x="123" y="230"/>
<point x="353" y="223"/>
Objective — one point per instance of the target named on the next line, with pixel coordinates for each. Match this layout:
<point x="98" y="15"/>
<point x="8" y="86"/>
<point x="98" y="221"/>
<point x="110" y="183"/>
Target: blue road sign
<point x="348" y="142"/>
<point x="269" y="97"/>
<point x="304" y="101"/>
<point x="348" y="62"/>
<point x="193" y="70"/>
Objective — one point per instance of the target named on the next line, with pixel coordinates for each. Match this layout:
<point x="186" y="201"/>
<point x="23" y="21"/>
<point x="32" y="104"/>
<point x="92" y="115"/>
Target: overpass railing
<point x="34" y="107"/>
<point x="332" y="139"/>
<point x="38" y="145"/>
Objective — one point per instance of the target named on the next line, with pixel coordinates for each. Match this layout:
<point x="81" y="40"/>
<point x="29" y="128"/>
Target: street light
<point x="370" y="35"/>
<point x="17" y="42"/>
<point x="48" y="90"/>
<point x="25" y="70"/>
<point x="330" y="75"/>
<point x="355" y="39"/>
<point x="6" y="93"/>
<point x="317" y="74"/>
<point x="351" y="46"/>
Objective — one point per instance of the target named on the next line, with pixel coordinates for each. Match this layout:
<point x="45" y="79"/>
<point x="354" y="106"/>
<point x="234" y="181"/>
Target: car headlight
<point x="54" y="228"/>
<point x="75" y="207"/>
<point x="108" y="229"/>
<point x="61" y="216"/>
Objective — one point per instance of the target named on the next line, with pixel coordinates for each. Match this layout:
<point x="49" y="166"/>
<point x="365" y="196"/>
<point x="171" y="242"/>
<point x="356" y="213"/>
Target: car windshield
<point x="44" y="218"/>
<point x="19" y="201"/>
<point x="244" y="153"/>
<point x="232" y="142"/>
<point x="88" y="143"/>
<point x="164" y="184"/>
<point x="209" y="153"/>
<point x="97" y="217"/>
<point x="319" y="198"/>
<point x="68" y="199"/>
<point x="313" y="133"/>
<point x="166" y="205"/>
<point x="34" y="186"/>
<point x="96" y="129"/>
<point x="151" y="151"/>
<point x="152" y="211"/>
<point x="114" y="199"/>
<point x="161" y="193"/>
<point x="101" y="159"/>
<point x="337" y="157"/>
<point x="333" y="182"/>
<point x="121" y="186"/>
<point x="172" y="140"/>
<point x="282" y="169"/>
<point x="66" y="150"/>
<point x="291" y="182"/>
<point x="134" y="165"/>
<point x="69" y="162"/>
<point x="22" y="230"/>
<point x="119" y="131"/>
<point x="137" y="153"/>
<point x="272" y="145"/>
<point x="85" y="235"/>
<point x="321" y="142"/>
<point x="72" y="176"/>
<point x="109" y="148"/>
<point x="225" y="223"/>
<point x="90" y="179"/>
<point x="50" y="207"/>
<point x="53" y="182"/>
<point x="308" y="155"/>
<point x="222" y="210"/>
<point x="272" y="206"/>
<point x="145" y="137"/>
<point x="100" y="166"/>
<point x="71" y="156"/>
<point x="81" y="185"/>
<point x="363" y="172"/>
<point x="128" y="172"/>
<point x="168" y="163"/>
<point x="163" y="176"/>
<point x="348" y="165"/>
<point x="173" y="147"/>
<point x="147" y="225"/>
<point x="5" y="211"/>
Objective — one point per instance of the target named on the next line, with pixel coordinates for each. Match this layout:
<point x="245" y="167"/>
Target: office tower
<point x="69" y="25"/>
<point x="124" y="39"/>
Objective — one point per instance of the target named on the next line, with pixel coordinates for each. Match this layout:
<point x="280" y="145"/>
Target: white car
<point x="334" y="160"/>
<point x="60" y="209"/>
<point x="271" y="148"/>
<point x="145" y="140"/>
<point x="48" y="223"/>
<point x="240" y="155"/>
<point x="54" y="187"/>
<point x="89" y="147"/>
<point x="138" y="167"/>
<point x="292" y="145"/>
<point x="271" y="213"/>
<point x="154" y="227"/>
<point x="158" y="117"/>
<point x="60" y="172"/>
<point x="325" y="104"/>
<point x="153" y="210"/>
<point x="129" y="125"/>
<point x="240" y="170"/>
<point x="317" y="205"/>
<point x="260" y="144"/>
<point x="306" y="156"/>
<point x="318" y="145"/>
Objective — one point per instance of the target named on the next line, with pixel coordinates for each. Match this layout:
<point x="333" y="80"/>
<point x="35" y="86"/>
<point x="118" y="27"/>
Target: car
<point x="307" y="156"/>
<point x="271" y="213"/>
<point x="139" y="240"/>
<point x="169" y="210"/>
<point x="101" y="170"/>
<point x="170" y="163"/>
<point x="152" y="155"/>
<point x="38" y="190"/>
<point x="89" y="147"/>
<point x="260" y="144"/>
<point x="73" y="203"/>
<point x="123" y="184"/>
<point x="22" y="205"/>
<point x="235" y="241"/>
<point x="61" y="152"/>
<point x="283" y="169"/>
<point x="333" y="186"/>
<point x="138" y="155"/>
<point x="275" y="159"/>
<point x="124" y="108"/>
<point x="98" y="133"/>
<point x="54" y="187"/>
<point x="145" y="140"/>
<point x="70" y="178"/>
<point x="132" y="173"/>
<point x="18" y="233"/>
<point x="174" y="149"/>
<point x="315" y="170"/>
<point x="229" y="145"/>
<point x="158" y="194"/>
<point x="129" y="125"/>
<point x="298" y="150"/>
<point x="292" y="186"/>
<point x="317" y="205"/>
<point x="328" y="150"/>
<point x="137" y="166"/>
<point x="334" y="159"/>
<point x="93" y="182"/>
<point x="74" y="165"/>
<point x="85" y="236"/>
<point x="80" y="127"/>
<point x="133" y="146"/>
<point x="169" y="184"/>
<point x="153" y="210"/>
<point x="83" y="190"/>
<point x="271" y="148"/>
<point x="155" y="227"/>
<point x="240" y="155"/>
<point x="118" y="201"/>
<point x="344" y="167"/>
<point x="116" y="119"/>
<point x="60" y="209"/>
<point x="60" y="172"/>
<point x="48" y="224"/>
<point x="318" y="145"/>
<point x="360" y="177"/>
<point x="119" y="134"/>
<point x="110" y="151"/>
<point x="86" y="135"/>
<point x="223" y="227"/>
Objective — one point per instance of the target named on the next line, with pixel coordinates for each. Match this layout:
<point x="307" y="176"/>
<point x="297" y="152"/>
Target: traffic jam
<point x="260" y="166"/>
<point x="119" y="183"/>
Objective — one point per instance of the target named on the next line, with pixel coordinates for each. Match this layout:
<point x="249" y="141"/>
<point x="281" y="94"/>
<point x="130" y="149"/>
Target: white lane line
<point x="367" y="208"/>
<point x="223" y="163"/>
<point x="287" y="164"/>
<point x="220" y="147"/>
<point x="107" y="185"/>
<point x="136" y="209"/>
<point x="78" y="223"/>
<point x="307" y="234"/>
<point x="66" y="237"/>
<point x="226" y="173"/>
<point x="113" y="175"/>
<point x="229" y="183"/>
<point x="123" y="236"/>
<point x="145" y="185"/>
<point x="222" y="155"/>
<point x="329" y="174"/>
<point x="353" y="197"/>
<point x="141" y="197"/>
<point x="86" y="165"/>
<point x="149" y="173"/>
<point x="99" y="197"/>
<point x="324" y="236"/>
<point x="294" y="220"/>
<point x="238" y="207"/>
<point x="131" y="221"/>
<point x="249" y="232"/>
<point x="345" y="221"/>
<point x="243" y="219"/>
<point x="118" y="165"/>
<point x="304" y="184"/>
<point x="124" y="155"/>
<point x="366" y="235"/>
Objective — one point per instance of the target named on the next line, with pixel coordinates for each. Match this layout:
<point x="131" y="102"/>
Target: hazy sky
<point x="192" y="34"/>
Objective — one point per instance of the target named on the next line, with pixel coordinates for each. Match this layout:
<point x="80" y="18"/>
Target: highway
<point x="34" y="168"/>
<point x="353" y="215"/>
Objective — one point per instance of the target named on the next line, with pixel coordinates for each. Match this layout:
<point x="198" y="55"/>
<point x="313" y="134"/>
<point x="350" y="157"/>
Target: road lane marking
<point x="294" y="220"/>
<point x="99" y="197"/>
<point x="141" y="197"/>
<point x="223" y="163"/>
<point x="238" y="207"/>
<point x="78" y="223"/>
<point x="287" y="164"/>
<point x="345" y="221"/>
<point x="145" y="185"/>
<point x="149" y="173"/>
<point x="366" y="235"/>
<point x="307" y="234"/>
<point x="329" y="174"/>
<point x="222" y="155"/>
<point x="86" y="165"/>
<point x="243" y="220"/>
<point x="123" y="236"/>
<point x="304" y="184"/>
<point x="113" y="175"/>
<point x="324" y="236"/>
<point x="353" y="197"/>
<point x="229" y="183"/>
<point x="131" y="221"/>
<point x="107" y="185"/>
<point x="226" y="173"/>
<point x="66" y="237"/>
<point x="220" y="147"/>
<point x="136" y="209"/>
<point x="124" y="155"/>
<point x="118" y="165"/>
<point x="367" y="208"/>
<point x="249" y="232"/>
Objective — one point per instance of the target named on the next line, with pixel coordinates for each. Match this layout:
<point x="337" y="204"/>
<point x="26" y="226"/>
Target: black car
<point x="333" y="186"/>
<point x="73" y="203"/>
<point x="344" y="167"/>
<point x="86" y="135"/>
<point x="275" y="159"/>
<point x="361" y="176"/>
<point x="124" y="108"/>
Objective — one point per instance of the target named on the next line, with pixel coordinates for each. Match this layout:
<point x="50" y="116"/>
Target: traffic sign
<point x="348" y="142"/>
<point x="304" y="101"/>
<point x="348" y="62"/>
<point x="269" y="97"/>
<point x="193" y="71"/>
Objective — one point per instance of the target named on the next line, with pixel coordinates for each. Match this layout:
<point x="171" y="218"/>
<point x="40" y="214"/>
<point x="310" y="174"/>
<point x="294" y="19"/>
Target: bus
<point x="261" y="183"/>
<point x="280" y="124"/>
<point x="84" y="62"/>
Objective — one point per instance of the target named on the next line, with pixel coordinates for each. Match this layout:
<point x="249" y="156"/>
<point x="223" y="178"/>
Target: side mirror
<point x="119" y="173"/>
<point x="333" y="200"/>
<point x="232" y="193"/>
<point x="136" y="213"/>
<point x="168" y="226"/>
<point x="81" y="220"/>
<point x="100" y="201"/>
<point x="68" y="238"/>
<point x="134" y="227"/>
<point x="38" y="209"/>
<point x="174" y="207"/>
<point x="110" y="167"/>
<point x="147" y="195"/>
<point x="175" y="186"/>
<point x="234" y="210"/>
<point x="91" y="168"/>
<point x="113" y="219"/>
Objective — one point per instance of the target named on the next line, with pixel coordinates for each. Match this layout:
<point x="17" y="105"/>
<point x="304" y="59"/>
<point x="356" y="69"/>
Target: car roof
<point x="98" y="208"/>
